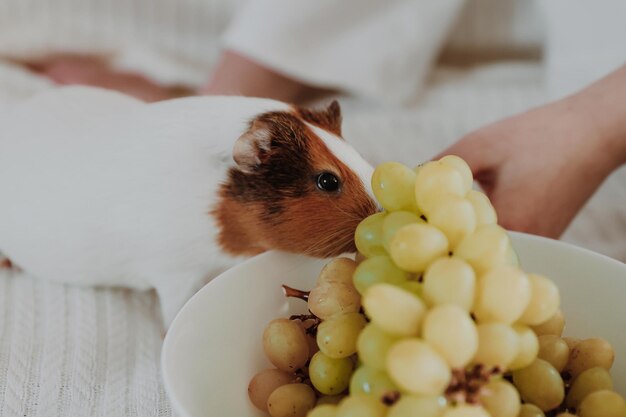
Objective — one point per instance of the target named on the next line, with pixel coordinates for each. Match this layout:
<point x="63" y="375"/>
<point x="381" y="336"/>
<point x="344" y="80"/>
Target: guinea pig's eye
<point x="327" y="182"/>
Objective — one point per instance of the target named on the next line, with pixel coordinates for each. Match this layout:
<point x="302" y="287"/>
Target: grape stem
<point x="295" y="293"/>
<point x="466" y="385"/>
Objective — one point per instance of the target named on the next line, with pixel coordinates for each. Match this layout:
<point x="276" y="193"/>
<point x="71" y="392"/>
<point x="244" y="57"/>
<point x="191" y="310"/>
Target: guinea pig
<point x="101" y="189"/>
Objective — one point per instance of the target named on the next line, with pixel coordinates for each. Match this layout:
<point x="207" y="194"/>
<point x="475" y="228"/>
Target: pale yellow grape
<point x="377" y="270"/>
<point x="434" y="181"/>
<point x="330" y="399"/>
<point x="590" y="353"/>
<point x="292" y="400"/>
<point x="330" y="376"/>
<point x="572" y="342"/>
<point x="337" y="335"/>
<point x="338" y="270"/>
<point x="361" y="406"/>
<point x="418" y="368"/>
<point x="393" y="185"/>
<point x="511" y="257"/>
<point x="369" y="381"/>
<point x="410" y="406"/>
<point x="592" y="380"/>
<point x="554" y="350"/>
<point x="394" y="221"/>
<point x="330" y="298"/>
<point x="502" y="295"/>
<point x="554" y="325"/>
<point x="285" y="345"/>
<point x="540" y="384"/>
<point x="602" y="404"/>
<point x="498" y="345"/>
<point x="461" y="167"/>
<point x="544" y="300"/>
<point x="368" y="236"/>
<point x="500" y="399"/>
<point x="415" y="246"/>
<point x="324" y="410"/>
<point x="455" y="217"/>
<point x="530" y="410"/>
<point x="394" y="310"/>
<point x="485" y="213"/>
<point x="373" y="345"/>
<point x="485" y="248"/>
<point x="528" y="347"/>
<point x="451" y="331"/>
<point x="264" y="383"/>
<point x="465" y="410"/>
<point x="450" y="281"/>
<point x="414" y="287"/>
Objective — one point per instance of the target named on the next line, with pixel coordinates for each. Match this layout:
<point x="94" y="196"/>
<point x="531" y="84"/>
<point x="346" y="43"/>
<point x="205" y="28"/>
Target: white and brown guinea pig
<point x="101" y="189"/>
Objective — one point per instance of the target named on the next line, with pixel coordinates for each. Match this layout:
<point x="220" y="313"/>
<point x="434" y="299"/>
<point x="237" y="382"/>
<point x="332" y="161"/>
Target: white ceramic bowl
<point x="213" y="347"/>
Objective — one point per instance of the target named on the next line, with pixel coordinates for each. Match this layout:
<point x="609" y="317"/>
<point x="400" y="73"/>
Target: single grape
<point x="369" y="381"/>
<point x="330" y="399"/>
<point x="434" y="181"/>
<point x="338" y="270"/>
<point x="592" y="380"/>
<point x="498" y="345"/>
<point x="540" y="384"/>
<point x="554" y="325"/>
<point x="455" y="217"/>
<point x="602" y="404"/>
<point x="361" y="406"/>
<point x="395" y="221"/>
<point x="484" y="249"/>
<point x="285" y="345"/>
<point x="328" y="299"/>
<point x="485" y="213"/>
<point x="373" y="345"/>
<point x="465" y="410"/>
<point x="461" y="167"/>
<point x="450" y="330"/>
<point x="417" y="368"/>
<point x="502" y="295"/>
<point x="500" y="399"/>
<point x="588" y="354"/>
<point x="528" y="347"/>
<point x="264" y="383"/>
<point x="553" y="350"/>
<point x="415" y="246"/>
<point x="292" y="400"/>
<point x="530" y="410"/>
<point x="324" y="410"/>
<point x="544" y="300"/>
<point x="337" y="335"/>
<point x="393" y="186"/>
<point x="511" y="257"/>
<point x="450" y="281"/>
<point x="377" y="270"/>
<point x="410" y="406"/>
<point x="368" y="236"/>
<point x="330" y="376"/>
<point x="393" y="309"/>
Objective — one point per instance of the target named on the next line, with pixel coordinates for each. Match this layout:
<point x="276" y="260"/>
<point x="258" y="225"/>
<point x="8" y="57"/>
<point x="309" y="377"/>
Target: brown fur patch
<point x="5" y="263"/>
<point x="328" y="119"/>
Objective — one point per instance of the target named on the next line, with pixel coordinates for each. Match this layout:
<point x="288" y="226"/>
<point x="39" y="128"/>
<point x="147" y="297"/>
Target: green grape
<point x="603" y="403"/>
<point x="498" y="345"/>
<point x="410" y="406"/>
<point x="330" y="376"/>
<point x="590" y="353"/>
<point x="373" y="345"/>
<point x="369" y="381"/>
<point x="450" y="330"/>
<point x="291" y="400"/>
<point x="455" y="217"/>
<point x="368" y="236"/>
<point x="465" y="410"/>
<point x="540" y="384"/>
<point x="450" y="281"/>
<point x="435" y="181"/>
<point x="415" y="246"/>
<point x="485" y="213"/>
<point x="418" y="368"/>
<point x="502" y="295"/>
<point x="500" y="399"/>
<point x="461" y="167"/>
<point x="395" y="221"/>
<point x="324" y="410"/>
<point x="376" y="270"/>
<point x="393" y="185"/>
<point x="414" y="287"/>
<point x="328" y="299"/>
<point x="336" y="336"/>
<point x="285" y="345"/>
<point x="330" y="399"/>
<point x="393" y="309"/>
<point x="339" y="270"/>
<point x="361" y="406"/>
<point x="554" y="325"/>
<point x="530" y="410"/>
<point x="485" y="248"/>
<point x="528" y="347"/>
<point x="553" y="350"/>
<point x="544" y="300"/>
<point x="264" y="383"/>
<point x="592" y="380"/>
<point x="565" y="415"/>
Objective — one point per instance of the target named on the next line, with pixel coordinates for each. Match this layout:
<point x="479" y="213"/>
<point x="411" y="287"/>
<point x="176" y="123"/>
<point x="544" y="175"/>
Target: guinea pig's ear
<point x="252" y="148"/>
<point x="334" y="116"/>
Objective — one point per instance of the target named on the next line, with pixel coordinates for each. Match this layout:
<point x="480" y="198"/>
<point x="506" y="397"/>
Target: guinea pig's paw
<point x="5" y="263"/>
